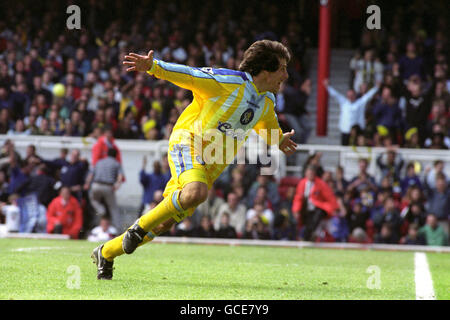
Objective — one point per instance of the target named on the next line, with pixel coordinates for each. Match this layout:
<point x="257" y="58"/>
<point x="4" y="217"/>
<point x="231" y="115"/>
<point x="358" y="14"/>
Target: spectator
<point x="236" y="212"/>
<point x="387" y="235"/>
<point x="286" y="205"/>
<point x="64" y="215"/>
<point x="3" y="187"/>
<point x="413" y="237"/>
<point x="185" y="228"/>
<point x="439" y="202"/>
<point x="437" y="141"/>
<point x="211" y="205"/>
<point x="18" y="173"/>
<point x="270" y="187"/>
<point x="433" y="233"/>
<point x="416" y="105"/>
<point x="412" y="138"/>
<point x="358" y="216"/>
<point x="291" y="105"/>
<point x="431" y="175"/>
<point x="314" y="200"/>
<point x="225" y="229"/>
<point x="411" y="179"/>
<point x="338" y="226"/>
<point x="389" y="218"/>
<point x="259" y="210"/>
<point x="57" y="163"/>
<point x="106" y="178"/>
<point x="103" y="232"/>
<point x="315" y="160"/>
<point x="33" y="214"/>
<point x="11" y="211"/>
<point x="390" y="163"/>
<point x="352" y="110"/>
<point x="414" y="213"/>
<point x="411" y="63"/>
<point x="363" y="180"/>
<point x="205" y="230"/>
<point x="341" y="183"/>
<point x="103" y="144"/>
<point x="283" y="229"/>
<point x="19" y="129"/>
<point x="151" y="181"/>
<point x="73" y="174"/>
<point x="41" y="184"/>
<point x="387" y="113"/>
<point x="256" y="229"/>
<point x="367" y="70"/>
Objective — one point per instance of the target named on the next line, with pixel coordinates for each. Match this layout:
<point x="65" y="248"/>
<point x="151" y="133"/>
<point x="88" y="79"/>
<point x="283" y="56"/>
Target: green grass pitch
<point x="50" y="269"/>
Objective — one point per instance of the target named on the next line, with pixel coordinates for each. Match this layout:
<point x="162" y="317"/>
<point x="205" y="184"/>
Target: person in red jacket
<point x="314" y="200"/>
<point x="105" y="142"/>
<point x="64" y="215"/>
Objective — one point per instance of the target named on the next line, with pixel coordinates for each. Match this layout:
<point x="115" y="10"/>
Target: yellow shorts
<point x="185" y="167"/>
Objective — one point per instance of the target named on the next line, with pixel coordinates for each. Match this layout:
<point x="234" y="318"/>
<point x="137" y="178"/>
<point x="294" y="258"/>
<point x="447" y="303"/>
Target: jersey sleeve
<point x="201" y="81"/>
<point x="268" y="127"/>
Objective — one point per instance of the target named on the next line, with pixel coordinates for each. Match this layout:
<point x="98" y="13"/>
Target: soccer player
<point x="227" y="104"/>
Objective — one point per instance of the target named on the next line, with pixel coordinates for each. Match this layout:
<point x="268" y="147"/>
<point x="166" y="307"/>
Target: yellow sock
<point x="170" y="207"/>
<point x="113" y="248"/>
<point x="164" y="210"/>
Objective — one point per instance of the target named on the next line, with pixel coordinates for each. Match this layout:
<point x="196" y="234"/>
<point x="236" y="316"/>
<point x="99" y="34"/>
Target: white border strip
<point x="266" y="243"/>
<point x="422" y="276"/>
<point x="35" y="236"/>
<point x="300" y="244"/>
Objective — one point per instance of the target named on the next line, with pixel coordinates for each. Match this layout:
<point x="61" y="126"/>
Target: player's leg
<point x="174" y="208"/>
<point x="178" y="205"/>
<point x="185" y="190"/>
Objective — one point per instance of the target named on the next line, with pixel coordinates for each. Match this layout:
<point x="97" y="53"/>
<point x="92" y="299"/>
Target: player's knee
<point x="193" y="194"/>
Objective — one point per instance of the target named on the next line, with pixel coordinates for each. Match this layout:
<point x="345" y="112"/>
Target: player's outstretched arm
<point x="137" y="62"/>
<point x="194" y="79"/>
<point x="287" y="145"/>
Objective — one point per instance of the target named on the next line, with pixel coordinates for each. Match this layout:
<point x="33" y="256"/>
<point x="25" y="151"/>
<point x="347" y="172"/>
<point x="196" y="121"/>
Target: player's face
<point x="276" y="78"/>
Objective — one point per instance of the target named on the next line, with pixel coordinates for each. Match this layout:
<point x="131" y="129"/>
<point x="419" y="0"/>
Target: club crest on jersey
<point x="247" y="116"/>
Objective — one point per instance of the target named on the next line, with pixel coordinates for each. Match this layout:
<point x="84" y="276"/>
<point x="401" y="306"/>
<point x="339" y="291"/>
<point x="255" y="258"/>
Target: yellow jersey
<point x="226" y="105"/>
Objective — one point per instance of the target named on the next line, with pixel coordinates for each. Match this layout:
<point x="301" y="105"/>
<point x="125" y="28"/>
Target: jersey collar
<point x="250" y="78"/>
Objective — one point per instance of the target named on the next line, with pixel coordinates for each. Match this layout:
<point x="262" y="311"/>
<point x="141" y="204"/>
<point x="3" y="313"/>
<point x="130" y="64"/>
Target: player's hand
<point x="137" y="62"/>
<point x="325" y="82"/>
<point x="287" y="145"/>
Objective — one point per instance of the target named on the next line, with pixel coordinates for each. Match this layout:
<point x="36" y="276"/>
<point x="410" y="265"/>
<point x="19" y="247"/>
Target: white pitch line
<point x="424" y="282"/>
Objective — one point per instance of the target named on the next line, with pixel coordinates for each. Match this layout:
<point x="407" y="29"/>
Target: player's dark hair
<point x="264" y="55"/>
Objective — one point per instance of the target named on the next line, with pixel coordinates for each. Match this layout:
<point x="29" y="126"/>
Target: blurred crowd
<point x="73" y="83"/>
<point x="407" y="62"/>
<point x="403" y="204"/>
<point x="67" y="195"/>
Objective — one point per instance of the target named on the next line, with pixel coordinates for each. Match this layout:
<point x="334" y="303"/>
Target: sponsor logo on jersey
<point x="227" y="129"/>
<point x="247" y="116"/>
